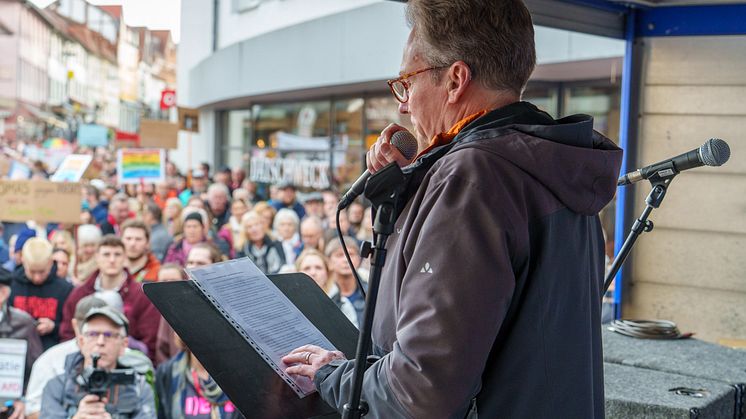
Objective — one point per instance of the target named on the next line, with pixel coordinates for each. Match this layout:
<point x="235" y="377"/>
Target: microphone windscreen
<point x="406" y="143"/>
<point x="715" y="152"/>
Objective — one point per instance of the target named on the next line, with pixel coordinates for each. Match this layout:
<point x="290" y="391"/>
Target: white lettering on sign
<point x="302" y="173"/>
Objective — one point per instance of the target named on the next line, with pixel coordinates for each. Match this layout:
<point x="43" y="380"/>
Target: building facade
<point x="296" y="90"/>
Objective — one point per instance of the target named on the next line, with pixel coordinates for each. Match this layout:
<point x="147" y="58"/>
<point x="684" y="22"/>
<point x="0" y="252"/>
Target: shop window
<point x="379" y="113"/>
<point x="347" y="158"/>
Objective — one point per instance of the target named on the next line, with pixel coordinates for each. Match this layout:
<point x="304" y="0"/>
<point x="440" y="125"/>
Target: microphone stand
<point x="660" y="182"/>
<point x="379" y="191"/>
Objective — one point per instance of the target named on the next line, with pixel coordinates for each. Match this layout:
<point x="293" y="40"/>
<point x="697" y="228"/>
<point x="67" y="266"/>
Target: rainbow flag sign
<point x="141" y="165"/>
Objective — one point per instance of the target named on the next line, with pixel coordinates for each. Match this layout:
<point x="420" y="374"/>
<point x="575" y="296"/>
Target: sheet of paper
<point x="268" y="318"/>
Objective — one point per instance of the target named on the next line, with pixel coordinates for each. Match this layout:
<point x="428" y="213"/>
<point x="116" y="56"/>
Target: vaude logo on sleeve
<point x="426" y="268"/>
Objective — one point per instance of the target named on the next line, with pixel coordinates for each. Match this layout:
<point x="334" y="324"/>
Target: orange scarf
<point x="446" y="137"/>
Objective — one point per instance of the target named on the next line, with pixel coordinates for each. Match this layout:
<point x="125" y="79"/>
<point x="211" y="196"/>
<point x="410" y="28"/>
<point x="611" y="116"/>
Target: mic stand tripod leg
<point x="383" y="227"/>
<point x="641" y="225"/>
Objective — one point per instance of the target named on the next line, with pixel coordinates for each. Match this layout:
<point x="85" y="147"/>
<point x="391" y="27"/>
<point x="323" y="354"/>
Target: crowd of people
<point x="74" y="292"/>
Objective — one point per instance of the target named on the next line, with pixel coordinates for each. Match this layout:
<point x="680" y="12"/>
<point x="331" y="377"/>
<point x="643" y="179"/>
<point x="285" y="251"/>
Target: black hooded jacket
<point x="490" y="298"/>
<point x="45" y="300"/>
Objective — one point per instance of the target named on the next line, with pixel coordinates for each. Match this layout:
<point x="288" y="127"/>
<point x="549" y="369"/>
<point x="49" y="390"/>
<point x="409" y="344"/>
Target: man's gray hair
<point x="89" y="233"/>
<point x="219" y="187"/>
<point x="495" y="38"/>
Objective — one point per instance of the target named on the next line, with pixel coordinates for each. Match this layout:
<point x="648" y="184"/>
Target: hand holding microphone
<point x="395" y="144"/>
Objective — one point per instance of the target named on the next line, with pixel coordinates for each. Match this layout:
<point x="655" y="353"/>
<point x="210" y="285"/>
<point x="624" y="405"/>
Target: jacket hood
<point x="579" y="165"/>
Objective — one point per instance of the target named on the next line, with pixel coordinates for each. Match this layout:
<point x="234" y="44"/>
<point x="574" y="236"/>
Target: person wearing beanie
<point x="195" y="230"/>
<point x="17" y="247"/>
<point x="37" y="290"/>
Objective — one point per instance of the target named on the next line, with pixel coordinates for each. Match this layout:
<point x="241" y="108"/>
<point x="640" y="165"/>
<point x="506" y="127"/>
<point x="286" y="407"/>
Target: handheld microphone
<point x="405" y="142"/>
<point x="714" y="152"/>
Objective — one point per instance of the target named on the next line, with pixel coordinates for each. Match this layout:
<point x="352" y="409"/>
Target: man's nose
<point x="403" y="108"/>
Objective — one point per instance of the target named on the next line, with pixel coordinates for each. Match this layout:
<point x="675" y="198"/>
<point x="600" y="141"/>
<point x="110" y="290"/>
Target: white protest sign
<point x="12" y="367"/>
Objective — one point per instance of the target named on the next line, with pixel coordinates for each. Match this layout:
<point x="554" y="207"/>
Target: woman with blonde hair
<point x="239" y="207"/>
<point x="172" y="216"/>
<point x="314" y="264"/>
<point x="266" y="253"/>
<point x="62" y="239"/>
<point x="268" y="215"/>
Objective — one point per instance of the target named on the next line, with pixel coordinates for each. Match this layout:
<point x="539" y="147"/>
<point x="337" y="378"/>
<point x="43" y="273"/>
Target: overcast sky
<point x="155" y="14"/>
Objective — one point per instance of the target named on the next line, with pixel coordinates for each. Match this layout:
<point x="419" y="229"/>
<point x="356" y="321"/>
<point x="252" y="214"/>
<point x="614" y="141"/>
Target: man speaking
<point x="490" y="297"/>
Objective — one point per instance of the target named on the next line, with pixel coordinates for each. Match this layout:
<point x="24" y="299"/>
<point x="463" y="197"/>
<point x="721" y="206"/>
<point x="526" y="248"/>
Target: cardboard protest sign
<point x="12" y="368"/>
<point x="158" y="134"/>
<point x="93" y="135"/>
<point x="72" y="168"/>
<point x="188" y="119"/>
<point x="141" y="166"/>
<point x="39" y="200"/>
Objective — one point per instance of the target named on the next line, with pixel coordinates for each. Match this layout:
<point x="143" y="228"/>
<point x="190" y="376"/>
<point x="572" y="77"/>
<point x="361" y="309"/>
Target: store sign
<point x="168" y="99"/>
<point x="302" y="173"/>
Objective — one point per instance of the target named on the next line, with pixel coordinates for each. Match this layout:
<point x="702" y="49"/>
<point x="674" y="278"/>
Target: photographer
<point x="87" y="392"/>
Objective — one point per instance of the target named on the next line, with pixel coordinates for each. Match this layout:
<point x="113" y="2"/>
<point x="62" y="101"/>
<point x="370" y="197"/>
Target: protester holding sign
<point x="17" y="324"/>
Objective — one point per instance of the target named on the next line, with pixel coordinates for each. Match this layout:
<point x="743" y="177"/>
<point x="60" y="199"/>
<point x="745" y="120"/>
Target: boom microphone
<point x="714" y="152"/>
<point x="405" y="142"/>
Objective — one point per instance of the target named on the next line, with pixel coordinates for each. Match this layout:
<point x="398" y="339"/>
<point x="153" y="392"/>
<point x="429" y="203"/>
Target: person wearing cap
<point x="16" y="259"/>
<point x="52" y="362"/>
<point x="286" y="199"/>
<point x="314" y="205"/>
<point x="37" y="290"/>
<point x="102" y="332"/>
<point x="197" y="188"/>
<point x="112" y="283"/>
<point x="195" y="229"/>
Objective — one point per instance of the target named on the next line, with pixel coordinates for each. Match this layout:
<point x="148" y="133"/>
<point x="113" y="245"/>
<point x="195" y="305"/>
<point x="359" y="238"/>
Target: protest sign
<point x="158" y="134"/>
<point x="12" y="368"/>
<point x="72" y="168"/>
<point x="141" y="166"/>
<point x="39" y="200"/>
<point x="188" y="119"/>
<point x="93" y="135"/>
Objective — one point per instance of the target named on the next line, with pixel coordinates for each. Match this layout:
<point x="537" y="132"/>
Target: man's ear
<point x="125" y="345"/>
<point x="458" y="79"/>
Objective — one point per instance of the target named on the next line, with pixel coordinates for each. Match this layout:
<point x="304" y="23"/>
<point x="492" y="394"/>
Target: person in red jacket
<point x="113" y="284"/>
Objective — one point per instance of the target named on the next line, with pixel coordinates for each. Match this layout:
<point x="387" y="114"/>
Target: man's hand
<point x="19" y="408"/>
<point x="45" y="326"/>
<point x="91" y="407"/>
<point x="308" y="359"/>
<point x="382" y="152"/>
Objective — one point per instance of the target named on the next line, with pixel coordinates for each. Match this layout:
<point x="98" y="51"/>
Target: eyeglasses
<point x="93" y="335"/>
<point x="400" y="86"/>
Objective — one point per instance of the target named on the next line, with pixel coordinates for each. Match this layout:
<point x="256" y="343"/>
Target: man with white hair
<point x="38" y="291"/>
<point x="89" y="236"/>
<point x="218" y="200"/>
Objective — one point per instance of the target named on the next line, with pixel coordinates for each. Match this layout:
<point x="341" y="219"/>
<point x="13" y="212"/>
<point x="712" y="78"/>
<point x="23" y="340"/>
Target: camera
<point x="98" y="380"/>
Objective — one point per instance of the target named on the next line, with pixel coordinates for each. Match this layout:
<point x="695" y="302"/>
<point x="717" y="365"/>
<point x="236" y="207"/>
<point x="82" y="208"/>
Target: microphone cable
<point x="648" y="329"/>
<point x="347" y="256"/>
